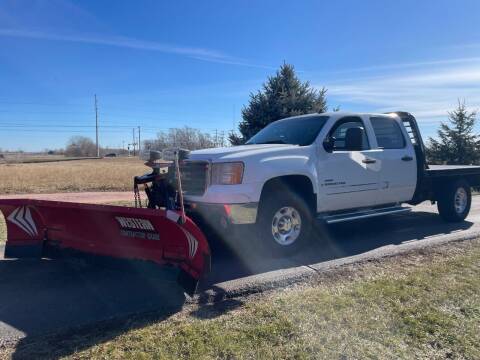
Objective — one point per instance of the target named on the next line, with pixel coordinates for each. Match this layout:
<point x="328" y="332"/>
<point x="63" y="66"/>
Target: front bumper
<point x="223" y="214"/>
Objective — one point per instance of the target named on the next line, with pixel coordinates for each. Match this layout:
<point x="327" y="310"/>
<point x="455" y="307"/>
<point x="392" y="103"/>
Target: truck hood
<point x="234" y="152"/>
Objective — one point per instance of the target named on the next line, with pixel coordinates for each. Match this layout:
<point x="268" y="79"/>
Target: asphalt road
<point x="39" y="296"/>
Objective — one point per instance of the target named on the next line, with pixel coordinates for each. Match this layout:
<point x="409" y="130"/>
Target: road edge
<point x="282" y="278"/>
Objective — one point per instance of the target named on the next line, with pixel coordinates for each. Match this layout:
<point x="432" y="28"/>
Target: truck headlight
<point x="227" y="173"/>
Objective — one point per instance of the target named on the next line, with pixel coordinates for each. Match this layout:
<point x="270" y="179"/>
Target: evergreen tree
<point x="282" y="95"/>
<point x="456" y="143"/>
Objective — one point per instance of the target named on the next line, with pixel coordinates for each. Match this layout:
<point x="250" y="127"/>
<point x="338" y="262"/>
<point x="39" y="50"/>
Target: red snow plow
<point x="160" y="233"/>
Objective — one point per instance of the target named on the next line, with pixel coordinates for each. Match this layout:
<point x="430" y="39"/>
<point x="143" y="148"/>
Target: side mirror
<point x="354" y="139"/>
<point x="329" y="143"/>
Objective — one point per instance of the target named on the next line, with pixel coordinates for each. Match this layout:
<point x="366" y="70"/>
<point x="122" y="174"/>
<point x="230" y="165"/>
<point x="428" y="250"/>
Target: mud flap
<point x="34" y="226"/>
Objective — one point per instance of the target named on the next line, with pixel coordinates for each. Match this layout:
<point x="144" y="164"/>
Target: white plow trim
<point x="192" y="243"/>
<point x="23" y="219"/>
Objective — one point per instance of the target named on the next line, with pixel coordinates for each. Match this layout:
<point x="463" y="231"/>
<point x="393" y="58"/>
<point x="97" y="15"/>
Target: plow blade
<point x="36" y="228"/>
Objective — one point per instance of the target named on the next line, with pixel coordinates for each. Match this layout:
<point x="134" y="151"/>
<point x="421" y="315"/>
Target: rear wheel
<point x="454" y="201"/>
<point x="284" y="224"/>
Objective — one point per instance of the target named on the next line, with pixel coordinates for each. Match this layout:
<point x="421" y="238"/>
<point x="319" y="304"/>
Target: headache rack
<point x="413" y="131"/>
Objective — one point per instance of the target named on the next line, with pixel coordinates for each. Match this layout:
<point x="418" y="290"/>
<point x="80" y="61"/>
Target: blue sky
<point x="159" y="64"/>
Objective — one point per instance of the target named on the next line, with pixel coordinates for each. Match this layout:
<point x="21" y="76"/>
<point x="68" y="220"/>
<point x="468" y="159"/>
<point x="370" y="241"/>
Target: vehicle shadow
<point x="39" y="297"/>
<point x="233" y="261"/>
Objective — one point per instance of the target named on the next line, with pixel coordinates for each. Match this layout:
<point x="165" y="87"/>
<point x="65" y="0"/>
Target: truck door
<point x="348" y="166"/>
<point x="398" y="175"/>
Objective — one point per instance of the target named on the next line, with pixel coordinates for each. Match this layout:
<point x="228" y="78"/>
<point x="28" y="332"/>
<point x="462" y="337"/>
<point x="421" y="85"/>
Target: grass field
<point x="114" y="174"/>
<point x="15" y="158"/>
<point x="420" y="305"/>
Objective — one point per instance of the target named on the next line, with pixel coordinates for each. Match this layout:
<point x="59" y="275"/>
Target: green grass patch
<point x="415" y="306"/>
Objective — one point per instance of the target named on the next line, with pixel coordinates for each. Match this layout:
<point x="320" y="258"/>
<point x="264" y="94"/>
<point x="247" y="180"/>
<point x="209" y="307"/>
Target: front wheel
<point x="284" y="224"/>
<point x="455" y="201"/>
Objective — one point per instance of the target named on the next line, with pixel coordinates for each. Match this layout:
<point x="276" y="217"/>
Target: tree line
<point x="185" y="138"/>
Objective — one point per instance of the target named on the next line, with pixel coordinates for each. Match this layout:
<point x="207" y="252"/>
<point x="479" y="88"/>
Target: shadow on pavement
<point x="42" y="296"/>
<point x="233" y="261"/>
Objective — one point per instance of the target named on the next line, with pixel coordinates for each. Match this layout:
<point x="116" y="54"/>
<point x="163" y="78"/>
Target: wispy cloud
<point x="201" y="54"/>
<point x="428" y="92"/>
<point x="409" y="65"/>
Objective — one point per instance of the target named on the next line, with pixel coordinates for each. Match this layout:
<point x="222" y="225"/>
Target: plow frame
<point x="39" y="228"/>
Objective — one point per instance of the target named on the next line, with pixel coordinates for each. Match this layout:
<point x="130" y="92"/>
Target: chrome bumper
<point x="237" y="214"/>
<point x="243" y="213"/>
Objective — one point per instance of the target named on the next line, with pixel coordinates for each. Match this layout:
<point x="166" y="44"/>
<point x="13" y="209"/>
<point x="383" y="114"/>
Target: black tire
<point x="450" y="207"/>
<point x="272" y="204"/>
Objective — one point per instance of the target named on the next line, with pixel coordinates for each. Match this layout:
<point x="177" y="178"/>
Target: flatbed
<point x="452" y="170"/>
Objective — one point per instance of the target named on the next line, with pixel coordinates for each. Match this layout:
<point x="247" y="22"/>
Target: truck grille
<point x="194" y="177"/>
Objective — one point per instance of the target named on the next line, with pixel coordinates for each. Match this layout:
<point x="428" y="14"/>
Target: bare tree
<point x="186" y="138"/>
<point x="79" y="146"/>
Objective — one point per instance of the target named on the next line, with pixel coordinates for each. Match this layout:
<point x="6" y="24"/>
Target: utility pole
<point x="222" y="138"/>
<point x="133" y="139"/>
<point x="139" y="142"/>
<point x="96" y="126"/>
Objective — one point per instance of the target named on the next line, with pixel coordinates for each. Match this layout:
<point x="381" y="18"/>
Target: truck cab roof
<point x="339" y="114"/>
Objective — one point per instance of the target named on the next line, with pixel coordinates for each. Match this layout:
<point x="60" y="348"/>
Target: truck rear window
<point x="299" y="130"/>
<point x="388" y="133"/>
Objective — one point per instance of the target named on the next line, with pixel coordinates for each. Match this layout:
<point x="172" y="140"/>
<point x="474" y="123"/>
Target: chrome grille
<point x="194" y="177"/>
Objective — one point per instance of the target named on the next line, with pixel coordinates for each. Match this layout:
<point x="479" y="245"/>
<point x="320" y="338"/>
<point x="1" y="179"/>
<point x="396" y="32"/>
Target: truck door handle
<point x="369" y="161"/>
<point x="407" y="158"/>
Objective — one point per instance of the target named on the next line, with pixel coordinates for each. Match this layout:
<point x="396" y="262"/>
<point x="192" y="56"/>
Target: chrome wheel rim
<point x="286" y="225"/>
<point x="461" y="200"/>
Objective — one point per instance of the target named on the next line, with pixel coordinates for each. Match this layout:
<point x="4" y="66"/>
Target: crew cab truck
<point x="329" y="167"/>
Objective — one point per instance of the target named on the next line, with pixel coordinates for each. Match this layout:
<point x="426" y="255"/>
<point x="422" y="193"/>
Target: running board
<point x="332" y="219"/>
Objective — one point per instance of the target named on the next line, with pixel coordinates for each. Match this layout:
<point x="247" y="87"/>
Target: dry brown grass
<point x="83" y="175"/>
<point x="28" y="158"/>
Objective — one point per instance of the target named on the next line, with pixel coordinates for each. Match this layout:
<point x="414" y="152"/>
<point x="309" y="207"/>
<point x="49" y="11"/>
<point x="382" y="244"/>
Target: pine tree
<point x="282" y="95"/>
<point x="456" y="143"/>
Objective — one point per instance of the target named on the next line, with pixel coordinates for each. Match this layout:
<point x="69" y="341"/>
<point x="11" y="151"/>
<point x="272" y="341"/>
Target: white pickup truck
<point x="331" y="167"/>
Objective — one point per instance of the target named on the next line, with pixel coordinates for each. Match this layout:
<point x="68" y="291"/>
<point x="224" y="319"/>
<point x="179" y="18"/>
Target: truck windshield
<point x="300" y="130"/>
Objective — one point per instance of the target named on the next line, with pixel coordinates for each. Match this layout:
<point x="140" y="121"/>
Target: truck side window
<point x="339" y="131"/>
<point x="388" y="133"/>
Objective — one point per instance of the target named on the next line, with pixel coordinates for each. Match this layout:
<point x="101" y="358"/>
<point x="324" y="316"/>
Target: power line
<point x="45" y="112"/>
<point x="68" y="126"/>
